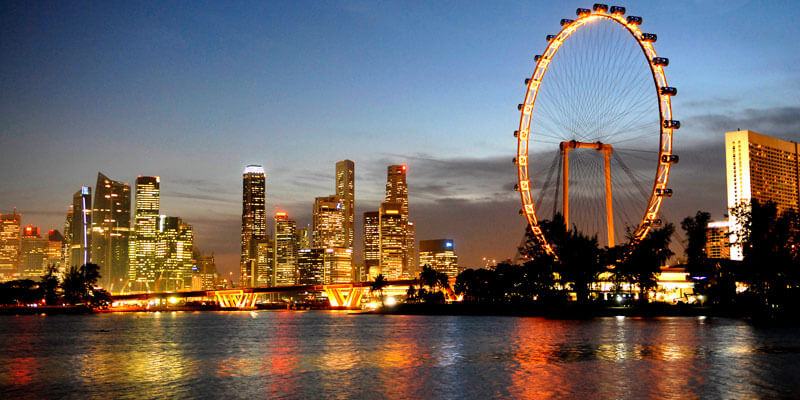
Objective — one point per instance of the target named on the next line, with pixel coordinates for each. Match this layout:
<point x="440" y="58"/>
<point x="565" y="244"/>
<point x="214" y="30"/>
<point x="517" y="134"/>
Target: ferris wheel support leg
<point x="565" y="195"/>
<point x="609" y="210"/>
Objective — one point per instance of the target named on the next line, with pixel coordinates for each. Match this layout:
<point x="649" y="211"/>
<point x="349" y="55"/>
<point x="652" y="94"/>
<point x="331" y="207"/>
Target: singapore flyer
<point x="594" y="142"/>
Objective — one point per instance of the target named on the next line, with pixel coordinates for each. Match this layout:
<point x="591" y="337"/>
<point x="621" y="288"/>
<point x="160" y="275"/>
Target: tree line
<point x="77" y="286"/>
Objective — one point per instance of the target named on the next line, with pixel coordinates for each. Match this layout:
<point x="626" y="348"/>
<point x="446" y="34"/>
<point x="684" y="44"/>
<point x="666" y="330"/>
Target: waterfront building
<point x="761" y="168"/>
<point x="397" y="193"/>
<point x="143" y="269"/>
<point x="111" y="225"/>
<point x="338" y="265"/>
<point x="285" y="250"/>
<point x="204" y="275"/>
<point x="254" y="221"/>
<point x="32" y="253"/>
<point x="328" y="221"/>
<point x="372" y="249"/>
<point x="411" y="259"/>
<point x="55" y="249"/>
<point x="81" y="243"/>
<point x="173" y="254"/>
<point x="440" y="255"/>
<point x="265" y="270"/>
<point x="392" y="240"/>
<point x="345" y="191"/>
<point x="310" y="266"/>
<point x="9" y="245"/>
<point x="717" y="242"/>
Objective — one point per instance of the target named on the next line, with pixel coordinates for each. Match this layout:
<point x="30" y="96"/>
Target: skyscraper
<point x="411" y="260"/>
<point x="372" y="249"/>
<point x="760" y="168"/>
<point x="392" y="240"/>
<point x="285" y="250"/>
<point x="143" y="267"/>
<point x="66" y="252"/>
<point x="205" y="274"/>
<point x="33" y="248"/>
<point x="328" y="220"/>
<point x="254" y="220"/>
<point x="81" y="244"/>
<point x="310" y="266"/>
<point x="397" y="189"/>
<point x="303" y="238"/>
<point x="338" y="265"/>
<point x="439" y="255"/>
<point x="265" y="267"/>
<point x="55" y="249"/>
<point x="9" y="245"/>
<point x="174" y="254"/>
<point x="111" y="226"/>
<point x="717" y="242"/>
<point x="345" y="191"/>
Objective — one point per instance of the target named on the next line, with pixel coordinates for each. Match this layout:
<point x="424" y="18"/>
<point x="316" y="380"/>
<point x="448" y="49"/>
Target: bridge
<point x="340" y="295"/>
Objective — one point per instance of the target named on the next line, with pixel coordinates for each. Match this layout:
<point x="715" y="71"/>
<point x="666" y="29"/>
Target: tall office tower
<point x="411" y="261"/>
<point x="66" y="252"/>
<point x="346" y="191"/>
<point x="81" y="245"/>
<point x="174" y="254"/>
<point x="760" y="168"/>
<point x="392" y="240"/>
<point x="9" y="245"/>
<point x="144" y="240"/>
<point x="285" y="250"/>
<point x="338" y="265"/>
<point x="111" y="228"/>
<point x="32" y="253"/>
<point x="310" y="266"/>
<point x="717" y="242"/>
<point x="440" y="255"/>
<point x="265" y="267"/>
<point x="397" y="192"/>
<point x="254" y="221"/>
<point x="205" y="271"/>
<point x="328" y="220"/>
<point x="372" y="245"/>
<point x="55" y="249"/>
<point x="303" y="238"/>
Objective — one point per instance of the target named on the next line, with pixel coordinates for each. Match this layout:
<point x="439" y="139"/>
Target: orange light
<point x="404" y="167"/>
<point x="392" y="212"/>
<point x="280" y="214"/>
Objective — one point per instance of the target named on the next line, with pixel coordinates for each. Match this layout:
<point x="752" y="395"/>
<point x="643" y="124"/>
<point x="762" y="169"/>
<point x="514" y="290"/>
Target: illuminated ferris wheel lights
<point x="600" y="8"/>
<point x="633" y="20"/>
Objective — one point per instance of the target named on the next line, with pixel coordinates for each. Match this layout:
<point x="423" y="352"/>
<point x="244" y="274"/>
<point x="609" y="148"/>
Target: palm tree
<point x="49" y="286"/>
<point x="378" y="285"/>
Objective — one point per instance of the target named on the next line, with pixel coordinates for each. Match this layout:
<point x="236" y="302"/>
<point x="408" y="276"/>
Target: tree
<point x="78" y="283"/>
<point x="378" y="285"/>
<point x="646" y="258"/>
<point x="49" y="286"/>
<point x="695" y="228"/>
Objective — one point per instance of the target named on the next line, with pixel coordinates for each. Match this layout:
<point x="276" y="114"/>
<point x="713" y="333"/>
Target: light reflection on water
<point x="336" y="355"/>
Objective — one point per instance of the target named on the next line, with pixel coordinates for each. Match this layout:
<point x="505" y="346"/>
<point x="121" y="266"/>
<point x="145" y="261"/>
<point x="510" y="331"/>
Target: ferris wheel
<point x="596" y="122"/>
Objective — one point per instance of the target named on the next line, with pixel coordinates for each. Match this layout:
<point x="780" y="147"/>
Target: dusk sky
<point x="195" y="91"/>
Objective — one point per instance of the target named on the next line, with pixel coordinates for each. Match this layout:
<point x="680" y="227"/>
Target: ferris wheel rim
<point x="666" y="123"/>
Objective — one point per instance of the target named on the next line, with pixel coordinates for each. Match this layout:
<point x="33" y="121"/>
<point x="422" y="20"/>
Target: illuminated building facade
<point x="33" y="248"/>
<point x="204" y="276"/>
<point x="143" y="269"/>
<point x="174" y="260"/>
<point x="111" y="225"/>
<point x="55" y="249"/>
<point x="254" y="221"/>
<point x="392" y="240"/>
<point x="302" y="237"/>
<point x="372" y="248"/>
<point x="397" y="193"/>
<point x="81" y="243"/>
<point x="440" y="255"/>
<point x="9" y="245"/>
<point x="328" y="220"/>
<point x="310" y="266"/>
<point x="345" y="191"/>
<point x="285" y="250"/>
<point x="338" y="265"/>
<point x="66" y="250"/>
<point x="717" y="242"/>
<point x="411" y="260"/>
<point x="265" y="263"/>
<point x="760" y="168"/>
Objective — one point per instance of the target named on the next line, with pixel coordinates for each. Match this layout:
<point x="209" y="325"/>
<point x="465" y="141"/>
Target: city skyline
<point x="458" y="189"/>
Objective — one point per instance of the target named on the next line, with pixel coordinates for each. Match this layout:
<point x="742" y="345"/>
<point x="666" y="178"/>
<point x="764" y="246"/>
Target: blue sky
<point x="194" y="91"/>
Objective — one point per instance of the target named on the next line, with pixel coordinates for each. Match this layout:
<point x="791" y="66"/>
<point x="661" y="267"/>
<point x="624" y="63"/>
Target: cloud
<point x="782" y="122"/>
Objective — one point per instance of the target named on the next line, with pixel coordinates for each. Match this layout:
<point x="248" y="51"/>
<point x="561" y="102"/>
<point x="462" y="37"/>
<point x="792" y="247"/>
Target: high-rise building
<point x="265" y="267"/>
<point x="285" y="250"/>
<point x="717" y="242"/>
<point x="9" y="245"/>
<point x="328" y="220"/>
<point x="254" y="220"/>
<point x="205" y="275"/>
<point x="397" y="189"/>
<point x="338" y="265"/>
<point x="81" y="244"/>
<point x="372" y="247"/>
<point x="311" y="266"/>
<point x="760" y="168"/>
<point x="174" y="254"/>
<point x="55" y="249"/>
<point x="144" y="241"/>
<point x="392" y="240"/>
<point x="411" y="260"/>
<point x="345" y="191"/>
<point x="303" y="238"/>
<point x="111" y="226"/>
<point x="439" y="255"/>
<point x="32" y="253"/>
<point x="66" y="251"/>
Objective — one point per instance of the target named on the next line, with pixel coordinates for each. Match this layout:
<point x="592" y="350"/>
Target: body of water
<point x="269" y="354"/>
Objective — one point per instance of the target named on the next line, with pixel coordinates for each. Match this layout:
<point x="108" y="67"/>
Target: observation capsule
<point x="516" y="185"/>
<point x="649" y="37"/>
<point x="582" y="12"/>
<point x="537" y="57"/>
<point x="519" y="107"/>
<point x="664" y="192"/>
<point x="669" y="91"/>
<point x="617" y="10"/>
<point x="516" y="134"/>
<point x="669" y="159"/>
<point x="565" y="21"/>
<point x="672" y="124"/>
<point x="662" y="61"/>
<point x="656" y="223"/>
<point x="521" y="212"/>
<point x="597" y="7"/>
<point x="550" y="37"/>
<point x="633" y="20"/>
